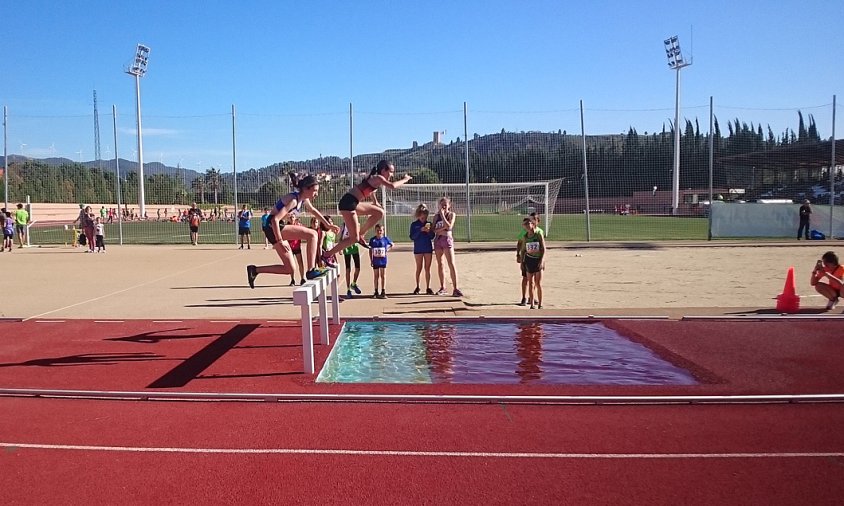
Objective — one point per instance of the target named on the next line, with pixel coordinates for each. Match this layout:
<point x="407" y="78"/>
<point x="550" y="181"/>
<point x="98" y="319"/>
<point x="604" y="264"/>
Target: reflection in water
<point x="439" y="342"/>
<point x="571" y="353"/>
<point x="529" y="350"/>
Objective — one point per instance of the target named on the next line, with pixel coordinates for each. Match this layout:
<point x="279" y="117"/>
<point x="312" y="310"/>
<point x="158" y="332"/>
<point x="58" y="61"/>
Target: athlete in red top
<point x="352" y="204"/>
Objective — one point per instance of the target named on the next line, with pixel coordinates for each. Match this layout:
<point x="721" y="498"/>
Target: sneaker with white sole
<point x="442" y="292"/>
<point x="831" y="304"/>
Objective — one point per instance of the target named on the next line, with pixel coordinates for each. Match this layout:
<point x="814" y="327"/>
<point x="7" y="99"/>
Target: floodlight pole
<point x="676" y="62"/>
<point x="5" y="161"/>
<point x="138" y="69"/>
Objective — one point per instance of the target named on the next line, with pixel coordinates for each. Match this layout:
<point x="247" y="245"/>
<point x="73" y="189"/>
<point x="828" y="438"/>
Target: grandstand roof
<point x="794" y="156"/>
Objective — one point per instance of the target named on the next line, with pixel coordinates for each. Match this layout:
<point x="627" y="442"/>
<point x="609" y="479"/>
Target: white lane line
<point x="407" y="453"/>
<point x="167" y="321"/>
<point x="108" y="321"/>
<point x="49" y="321"/>
<point x="171" y="275"/>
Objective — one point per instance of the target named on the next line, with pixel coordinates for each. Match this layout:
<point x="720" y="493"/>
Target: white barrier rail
<point x="304" y="296"/>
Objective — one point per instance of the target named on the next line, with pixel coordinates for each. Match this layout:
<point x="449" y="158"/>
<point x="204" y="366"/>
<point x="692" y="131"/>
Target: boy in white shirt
<point x="100" y="235"/>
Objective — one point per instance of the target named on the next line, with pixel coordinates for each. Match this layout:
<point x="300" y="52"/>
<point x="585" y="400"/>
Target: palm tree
<point x="215" y="182"/>
<point x="198" y="185"/>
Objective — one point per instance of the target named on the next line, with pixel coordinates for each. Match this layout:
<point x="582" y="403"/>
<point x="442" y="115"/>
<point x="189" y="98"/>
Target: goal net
<point x="488" y="206"/>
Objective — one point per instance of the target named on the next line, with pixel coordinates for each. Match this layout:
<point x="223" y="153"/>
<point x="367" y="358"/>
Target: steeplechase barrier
<point x="305" y="295"/>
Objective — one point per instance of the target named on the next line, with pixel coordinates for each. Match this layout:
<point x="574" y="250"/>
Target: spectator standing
<point x="194" y="215"/>
<point x="444" y="245"/>
<point x="519" y="256"/>
<point x="86" y="221"/>
<point x="350" y="255"/>
<point x="264" y="220"/>
<point x="8" y="230"/>
<point x="805" y="219"/>
<point x="99" y="230"/>
<point x="532" y="252"/>
<point x="244" y="226"/>
<point x="21" y="222"/>
<point x="422" y="234"/>
<point x="378" y="248"/>
<point x="329" y="237"/>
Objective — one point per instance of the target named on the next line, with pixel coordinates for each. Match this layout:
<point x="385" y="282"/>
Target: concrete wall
<point x="771" y="220"/>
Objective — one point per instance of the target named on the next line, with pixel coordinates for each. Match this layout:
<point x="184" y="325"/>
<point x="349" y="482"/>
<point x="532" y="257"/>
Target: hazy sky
<point x="292" y="69"/>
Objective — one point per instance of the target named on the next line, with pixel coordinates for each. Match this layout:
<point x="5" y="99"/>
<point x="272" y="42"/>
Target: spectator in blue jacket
<point x="423" y="249"/>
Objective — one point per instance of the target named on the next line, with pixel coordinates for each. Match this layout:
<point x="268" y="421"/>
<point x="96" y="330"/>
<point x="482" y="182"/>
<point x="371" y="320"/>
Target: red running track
<point x="174" y="453"/>
<point x="132" y="452"/>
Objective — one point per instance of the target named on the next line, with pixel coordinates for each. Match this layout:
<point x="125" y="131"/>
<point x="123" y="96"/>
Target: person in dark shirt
<point x="805" y="218"/>
<point x="423" y="247"/>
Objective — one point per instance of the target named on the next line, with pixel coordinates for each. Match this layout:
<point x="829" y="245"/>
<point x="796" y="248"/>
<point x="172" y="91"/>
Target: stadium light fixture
<point x="138" y="68"/>
<point x="675" y="62"/>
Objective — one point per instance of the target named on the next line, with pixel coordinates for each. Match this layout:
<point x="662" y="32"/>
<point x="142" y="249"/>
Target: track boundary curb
<point x="422" y="398"/>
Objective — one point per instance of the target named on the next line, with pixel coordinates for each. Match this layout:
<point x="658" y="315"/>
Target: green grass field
<point x="484" y="228"/>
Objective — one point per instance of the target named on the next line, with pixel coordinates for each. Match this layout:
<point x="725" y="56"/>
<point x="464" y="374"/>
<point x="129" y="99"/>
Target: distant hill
<point x="418" y="154"/>
<point x="110" y="166"/>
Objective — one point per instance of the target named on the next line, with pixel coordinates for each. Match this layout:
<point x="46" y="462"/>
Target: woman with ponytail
<point x="278" y="233"/>
<point x="353" y="204"/>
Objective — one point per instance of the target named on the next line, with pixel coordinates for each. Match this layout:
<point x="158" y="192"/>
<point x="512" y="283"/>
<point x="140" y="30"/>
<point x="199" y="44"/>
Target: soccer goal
<point x="485" y="205"/>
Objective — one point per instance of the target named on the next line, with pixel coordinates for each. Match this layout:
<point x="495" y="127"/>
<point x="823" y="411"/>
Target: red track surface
<point x="136" y="452"/>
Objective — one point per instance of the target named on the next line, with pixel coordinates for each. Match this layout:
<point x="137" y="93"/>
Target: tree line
<point x="640" y="161"/>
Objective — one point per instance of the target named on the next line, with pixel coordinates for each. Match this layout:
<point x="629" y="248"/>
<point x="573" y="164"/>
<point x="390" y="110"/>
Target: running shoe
<point x="251" y="274"/>
<point x="349" y="294"/>
<point x="457" y="293"/>
<point x="301" y="282"/>
<point x="531" y="305"/>
<point x="539" y="306"/>
<point x="523" y="302"/>
<point x="442" y="292"/>
<point x="314" y="273"/>
<point x="381" y="295"/>
<point x="416" y="291"/>
<point x="329" y="261"/>
<point x="428" y="291"/>
<point x="292" y="282"/>
<point x="356" y="288"/>
<point x="831" y="304"/>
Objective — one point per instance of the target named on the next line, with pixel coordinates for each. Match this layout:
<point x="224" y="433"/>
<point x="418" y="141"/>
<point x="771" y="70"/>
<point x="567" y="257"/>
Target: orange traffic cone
<point x="788" y="301"/>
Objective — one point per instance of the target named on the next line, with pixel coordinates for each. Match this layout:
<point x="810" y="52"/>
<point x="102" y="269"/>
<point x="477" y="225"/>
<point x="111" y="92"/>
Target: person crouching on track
<point x="278" y="234"/>
<point x="828" y="267"/>
<point x="532" y="254"/>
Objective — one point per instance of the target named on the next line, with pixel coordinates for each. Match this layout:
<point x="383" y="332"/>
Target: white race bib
<point x="379" y="252"/>
<point x="532" y="247"/>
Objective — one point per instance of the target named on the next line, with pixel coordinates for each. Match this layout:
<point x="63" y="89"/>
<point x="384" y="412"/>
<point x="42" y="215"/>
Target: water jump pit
<point x="495" y="352"/>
